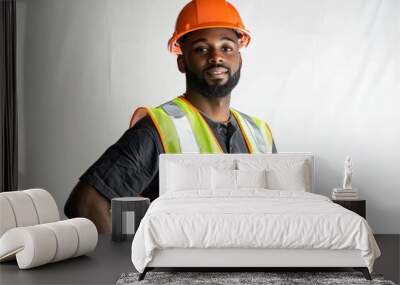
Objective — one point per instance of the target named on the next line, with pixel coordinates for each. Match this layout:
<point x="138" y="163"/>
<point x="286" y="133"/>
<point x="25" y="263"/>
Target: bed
<point x="248" y="211"/>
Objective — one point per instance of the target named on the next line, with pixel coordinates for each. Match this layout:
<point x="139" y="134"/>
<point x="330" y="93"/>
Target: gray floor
<point x="389" y="262"/>
<point x="102" y="266"/>
<point x="110" y="260"/>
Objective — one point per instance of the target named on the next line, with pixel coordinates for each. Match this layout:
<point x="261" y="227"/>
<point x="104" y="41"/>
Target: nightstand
<point x="357" y="206"/>
<point x="127" y="212"/>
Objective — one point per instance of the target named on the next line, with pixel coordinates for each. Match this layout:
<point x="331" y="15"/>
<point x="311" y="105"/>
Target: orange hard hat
<point x="205" y="14"/>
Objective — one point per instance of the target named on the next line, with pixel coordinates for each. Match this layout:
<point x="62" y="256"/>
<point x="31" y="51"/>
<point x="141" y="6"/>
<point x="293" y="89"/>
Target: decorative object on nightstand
<point x="357" y="206"/>
<point x="348" y="173"/>
<point x="343" y="194"/>
<point x="127" y="212"/>
<point x="346" y="192"/>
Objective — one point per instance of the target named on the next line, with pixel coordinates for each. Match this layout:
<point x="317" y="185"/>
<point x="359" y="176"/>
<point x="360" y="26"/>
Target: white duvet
<point x="250" y="219"/>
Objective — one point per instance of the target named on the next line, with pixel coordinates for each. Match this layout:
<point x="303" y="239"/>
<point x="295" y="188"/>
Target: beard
<point x="199" y="84"/>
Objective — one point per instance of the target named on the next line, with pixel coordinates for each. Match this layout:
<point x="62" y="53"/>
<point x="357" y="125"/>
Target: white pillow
<point x="282" y="174"/>
<point x="251" y="178"/>
<point x="223" y="179"/>
<point x="188" y="177"/>
<point x="287" y="179"/>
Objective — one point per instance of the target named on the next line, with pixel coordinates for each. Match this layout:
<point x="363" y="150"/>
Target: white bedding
<point x="251" y="218"/>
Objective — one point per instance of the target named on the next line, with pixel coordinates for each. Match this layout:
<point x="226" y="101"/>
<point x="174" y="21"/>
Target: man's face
<point x="211" y="61"/>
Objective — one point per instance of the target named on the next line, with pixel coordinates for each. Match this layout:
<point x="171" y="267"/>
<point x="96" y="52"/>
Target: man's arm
<point x="85" y="201"/>
<point x="126" y="169"/>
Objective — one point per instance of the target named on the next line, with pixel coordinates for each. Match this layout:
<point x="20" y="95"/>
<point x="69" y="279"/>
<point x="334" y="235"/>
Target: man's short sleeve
<point x="128" y="167"/>
<point x="274" y="150"/>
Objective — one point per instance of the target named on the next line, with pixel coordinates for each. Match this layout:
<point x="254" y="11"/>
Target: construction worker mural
<point x="207" y="40"/>
<point x="179" y="122"/>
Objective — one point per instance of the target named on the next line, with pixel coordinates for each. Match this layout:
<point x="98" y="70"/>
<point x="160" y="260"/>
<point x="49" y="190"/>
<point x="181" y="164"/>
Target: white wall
<point x="324" y="74"/>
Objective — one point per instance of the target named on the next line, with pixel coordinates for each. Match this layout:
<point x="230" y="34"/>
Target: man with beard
<point x="207" y="40"/>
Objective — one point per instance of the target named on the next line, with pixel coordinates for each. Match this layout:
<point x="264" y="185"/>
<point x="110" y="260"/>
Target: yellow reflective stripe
<point x="266" y="132"/>
<point x="243" y="128"/>
<point x="205" y="138"/>
<point x="166" y="130"/>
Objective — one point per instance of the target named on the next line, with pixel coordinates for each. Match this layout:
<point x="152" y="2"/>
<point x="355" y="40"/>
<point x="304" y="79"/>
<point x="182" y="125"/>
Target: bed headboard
<point x="210" y="159"/>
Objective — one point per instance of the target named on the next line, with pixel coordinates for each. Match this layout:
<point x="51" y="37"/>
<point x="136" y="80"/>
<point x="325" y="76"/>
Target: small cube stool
<point x="127" y="212"/>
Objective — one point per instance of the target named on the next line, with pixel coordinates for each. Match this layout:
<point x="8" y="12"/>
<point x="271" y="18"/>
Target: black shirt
<point x="130" y="166"/>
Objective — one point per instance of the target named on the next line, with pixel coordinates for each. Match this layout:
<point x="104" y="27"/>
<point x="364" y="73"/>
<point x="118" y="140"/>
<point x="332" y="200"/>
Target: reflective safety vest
<point x="182" y="129"/>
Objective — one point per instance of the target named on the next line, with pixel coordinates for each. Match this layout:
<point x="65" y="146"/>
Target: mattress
<point x="251" y="219"/>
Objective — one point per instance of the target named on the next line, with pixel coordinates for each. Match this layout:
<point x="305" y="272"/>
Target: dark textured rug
<point x="243" y="278"/>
